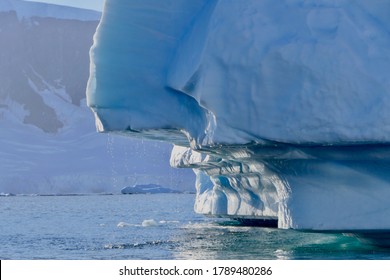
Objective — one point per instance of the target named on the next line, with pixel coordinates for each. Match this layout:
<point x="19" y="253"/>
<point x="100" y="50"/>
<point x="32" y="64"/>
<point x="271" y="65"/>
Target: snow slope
<point x="282" y="106"/>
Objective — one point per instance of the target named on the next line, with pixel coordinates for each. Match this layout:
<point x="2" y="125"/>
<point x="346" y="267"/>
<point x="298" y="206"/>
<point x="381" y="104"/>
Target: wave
<point x="140" y="245"/>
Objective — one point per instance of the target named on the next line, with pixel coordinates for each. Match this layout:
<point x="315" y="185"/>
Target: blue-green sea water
<point x="156" y="226"/>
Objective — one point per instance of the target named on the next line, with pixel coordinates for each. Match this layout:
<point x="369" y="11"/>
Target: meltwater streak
<point x="110" y="227"/>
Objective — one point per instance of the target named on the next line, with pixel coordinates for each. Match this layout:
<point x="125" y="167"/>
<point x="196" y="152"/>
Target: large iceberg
<point x="281" y="107"/>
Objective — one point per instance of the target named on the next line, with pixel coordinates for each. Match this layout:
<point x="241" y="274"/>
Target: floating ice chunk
<point x="149" y="223"/>
<point x="123" y="224"/>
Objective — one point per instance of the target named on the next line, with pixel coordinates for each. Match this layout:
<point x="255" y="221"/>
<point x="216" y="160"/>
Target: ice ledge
<point x="311" y="188"/>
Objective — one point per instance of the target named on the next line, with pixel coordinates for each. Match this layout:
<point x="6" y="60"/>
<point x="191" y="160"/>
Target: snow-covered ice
<point x="281" y="107"/>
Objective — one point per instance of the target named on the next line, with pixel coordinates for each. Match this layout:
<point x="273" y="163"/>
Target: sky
<point x="86" y="4"/>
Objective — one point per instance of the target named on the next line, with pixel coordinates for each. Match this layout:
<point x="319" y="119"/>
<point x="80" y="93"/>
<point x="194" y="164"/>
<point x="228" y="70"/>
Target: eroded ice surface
<point x="281" y="108"/>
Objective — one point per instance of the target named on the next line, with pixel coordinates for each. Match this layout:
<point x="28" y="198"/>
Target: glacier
<point x="281" y="108"/>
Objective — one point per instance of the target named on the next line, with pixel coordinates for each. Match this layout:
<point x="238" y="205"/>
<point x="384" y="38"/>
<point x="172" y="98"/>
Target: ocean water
<point x="155" y="226"/>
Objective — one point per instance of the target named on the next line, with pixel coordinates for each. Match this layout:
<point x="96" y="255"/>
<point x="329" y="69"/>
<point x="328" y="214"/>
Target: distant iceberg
<point x="281" y="107"/>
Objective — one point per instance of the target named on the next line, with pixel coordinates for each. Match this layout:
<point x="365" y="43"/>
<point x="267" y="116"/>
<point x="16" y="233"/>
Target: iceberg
<point x="281" y="109"/>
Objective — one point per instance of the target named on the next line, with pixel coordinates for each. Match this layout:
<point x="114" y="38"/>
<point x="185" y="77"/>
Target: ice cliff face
<point x="282" y="108"/>
<point x="47" y="138"/>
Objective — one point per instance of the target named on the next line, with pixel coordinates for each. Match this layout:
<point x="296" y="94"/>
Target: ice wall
<point x="283" y="107"/>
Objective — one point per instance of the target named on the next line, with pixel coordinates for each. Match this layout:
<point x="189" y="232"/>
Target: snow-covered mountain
<point x="43" y="10"/>
<point x="48" y="141"/>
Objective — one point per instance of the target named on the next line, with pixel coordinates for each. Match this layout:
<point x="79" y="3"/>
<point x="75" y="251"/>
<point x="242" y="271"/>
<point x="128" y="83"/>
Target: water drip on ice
<point x="110" y="151"/>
